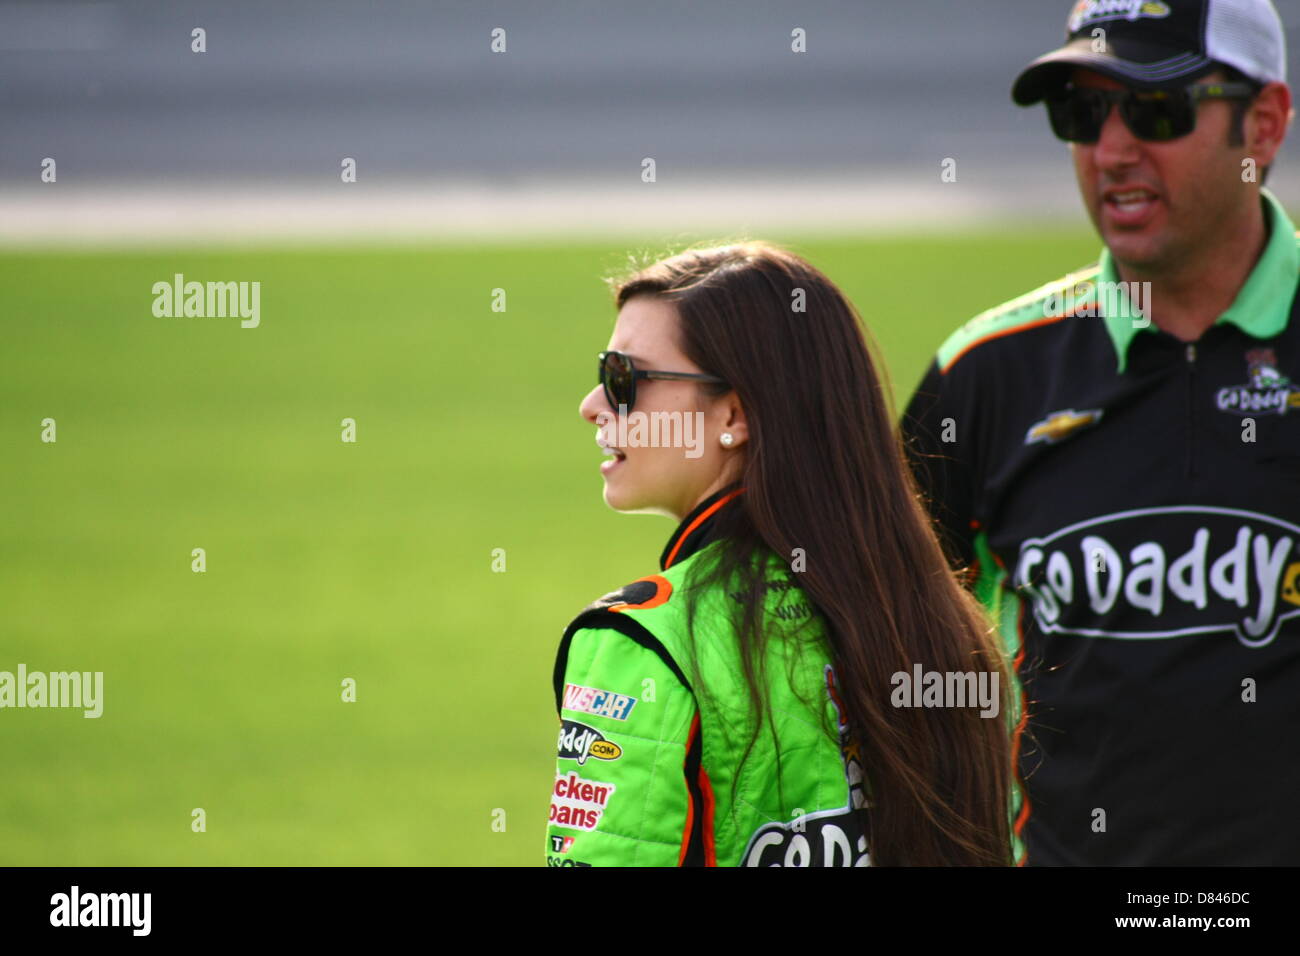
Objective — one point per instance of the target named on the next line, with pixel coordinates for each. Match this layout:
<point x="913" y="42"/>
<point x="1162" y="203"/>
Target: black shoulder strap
<point x="602" y="617"/>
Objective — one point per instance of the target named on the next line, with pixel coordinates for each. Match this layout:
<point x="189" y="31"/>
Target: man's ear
<point x="1267" y="122"/>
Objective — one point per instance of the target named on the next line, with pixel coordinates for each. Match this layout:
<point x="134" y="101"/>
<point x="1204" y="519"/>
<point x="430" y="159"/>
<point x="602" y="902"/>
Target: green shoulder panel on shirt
<point x="1050" y="300"/>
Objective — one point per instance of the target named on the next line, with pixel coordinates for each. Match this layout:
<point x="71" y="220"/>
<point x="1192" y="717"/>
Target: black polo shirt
<point x="1129" y="507"/>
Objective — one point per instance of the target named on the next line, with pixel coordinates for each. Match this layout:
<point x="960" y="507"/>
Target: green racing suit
<point x="653" y="727"/>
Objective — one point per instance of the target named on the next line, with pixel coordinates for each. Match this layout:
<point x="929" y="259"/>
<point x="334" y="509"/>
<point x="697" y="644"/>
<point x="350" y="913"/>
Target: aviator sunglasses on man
<point x="1078" y="113"/>
<point x="619" y="376"/>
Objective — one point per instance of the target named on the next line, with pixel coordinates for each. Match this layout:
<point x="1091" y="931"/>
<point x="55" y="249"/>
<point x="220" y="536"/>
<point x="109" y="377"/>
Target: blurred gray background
<point x="587" y="88"/>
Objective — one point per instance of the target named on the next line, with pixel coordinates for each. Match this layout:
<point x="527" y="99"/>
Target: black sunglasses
<point x="619" y="376"/>
<point x="1078" y="113"/>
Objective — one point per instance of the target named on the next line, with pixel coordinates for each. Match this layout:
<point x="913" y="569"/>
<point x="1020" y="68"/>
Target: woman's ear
<point x="733" y="420"/>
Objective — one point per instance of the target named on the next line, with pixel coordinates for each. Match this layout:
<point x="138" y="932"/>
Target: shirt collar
<point x="697" y="528"/>
<point x="1263" y="304"/>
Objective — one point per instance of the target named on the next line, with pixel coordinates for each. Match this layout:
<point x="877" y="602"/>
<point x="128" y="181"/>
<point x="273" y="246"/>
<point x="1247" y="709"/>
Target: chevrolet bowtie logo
<point x="1059" y="425"/>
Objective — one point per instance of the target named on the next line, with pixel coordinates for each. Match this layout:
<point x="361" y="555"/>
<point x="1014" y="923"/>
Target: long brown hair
<point x="823" y="471"/>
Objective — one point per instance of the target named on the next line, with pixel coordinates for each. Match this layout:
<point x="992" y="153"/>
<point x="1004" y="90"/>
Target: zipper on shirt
<point x="1191" y="406"/>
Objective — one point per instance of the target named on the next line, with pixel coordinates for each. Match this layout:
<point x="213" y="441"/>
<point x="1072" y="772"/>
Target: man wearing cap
<point x="1115" y="456"/>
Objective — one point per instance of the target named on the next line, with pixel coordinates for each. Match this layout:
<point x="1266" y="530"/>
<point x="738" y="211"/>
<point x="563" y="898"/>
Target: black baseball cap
<point x="1151" y="44"/>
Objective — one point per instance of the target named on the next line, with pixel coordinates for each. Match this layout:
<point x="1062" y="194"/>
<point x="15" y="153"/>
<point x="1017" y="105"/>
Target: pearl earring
<point x="727" y="439"/>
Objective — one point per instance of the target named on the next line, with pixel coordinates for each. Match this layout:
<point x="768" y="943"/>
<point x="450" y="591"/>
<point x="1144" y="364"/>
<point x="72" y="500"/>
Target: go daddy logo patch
<point x="593" y="700"/>
<point x="1266" y="391"/>
<point x="578" y="742"/>
<point x="1165" y="572"/>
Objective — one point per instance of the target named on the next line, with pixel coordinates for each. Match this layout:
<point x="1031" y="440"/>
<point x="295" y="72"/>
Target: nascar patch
<point x="593" y="700"/>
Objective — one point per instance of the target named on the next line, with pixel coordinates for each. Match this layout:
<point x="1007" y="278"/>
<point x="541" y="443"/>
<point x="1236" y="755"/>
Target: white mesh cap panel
<point x="1247" y="34"/>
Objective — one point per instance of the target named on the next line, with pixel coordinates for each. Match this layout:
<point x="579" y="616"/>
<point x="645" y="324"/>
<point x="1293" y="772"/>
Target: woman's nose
<point x="593" y="403"/>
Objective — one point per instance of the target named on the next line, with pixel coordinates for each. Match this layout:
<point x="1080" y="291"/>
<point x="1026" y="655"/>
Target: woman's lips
<point x="615" y="458"/>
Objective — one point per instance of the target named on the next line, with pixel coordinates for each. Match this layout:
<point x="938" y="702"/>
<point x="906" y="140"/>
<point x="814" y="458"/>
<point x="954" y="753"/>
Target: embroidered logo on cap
<point x="1086" y="11"/>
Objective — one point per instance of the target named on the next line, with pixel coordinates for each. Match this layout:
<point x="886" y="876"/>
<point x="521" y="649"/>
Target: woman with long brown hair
<point x="797" y="684"/>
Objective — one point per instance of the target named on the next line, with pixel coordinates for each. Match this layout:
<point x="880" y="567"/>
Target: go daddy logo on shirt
<point x="593" y="700"/>
<point x="578" y="742"/>
<point x="1165" y="572"/>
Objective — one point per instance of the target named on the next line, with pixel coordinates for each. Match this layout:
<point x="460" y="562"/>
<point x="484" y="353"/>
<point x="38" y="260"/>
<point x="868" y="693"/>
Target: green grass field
<point x="328" y="560"/>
